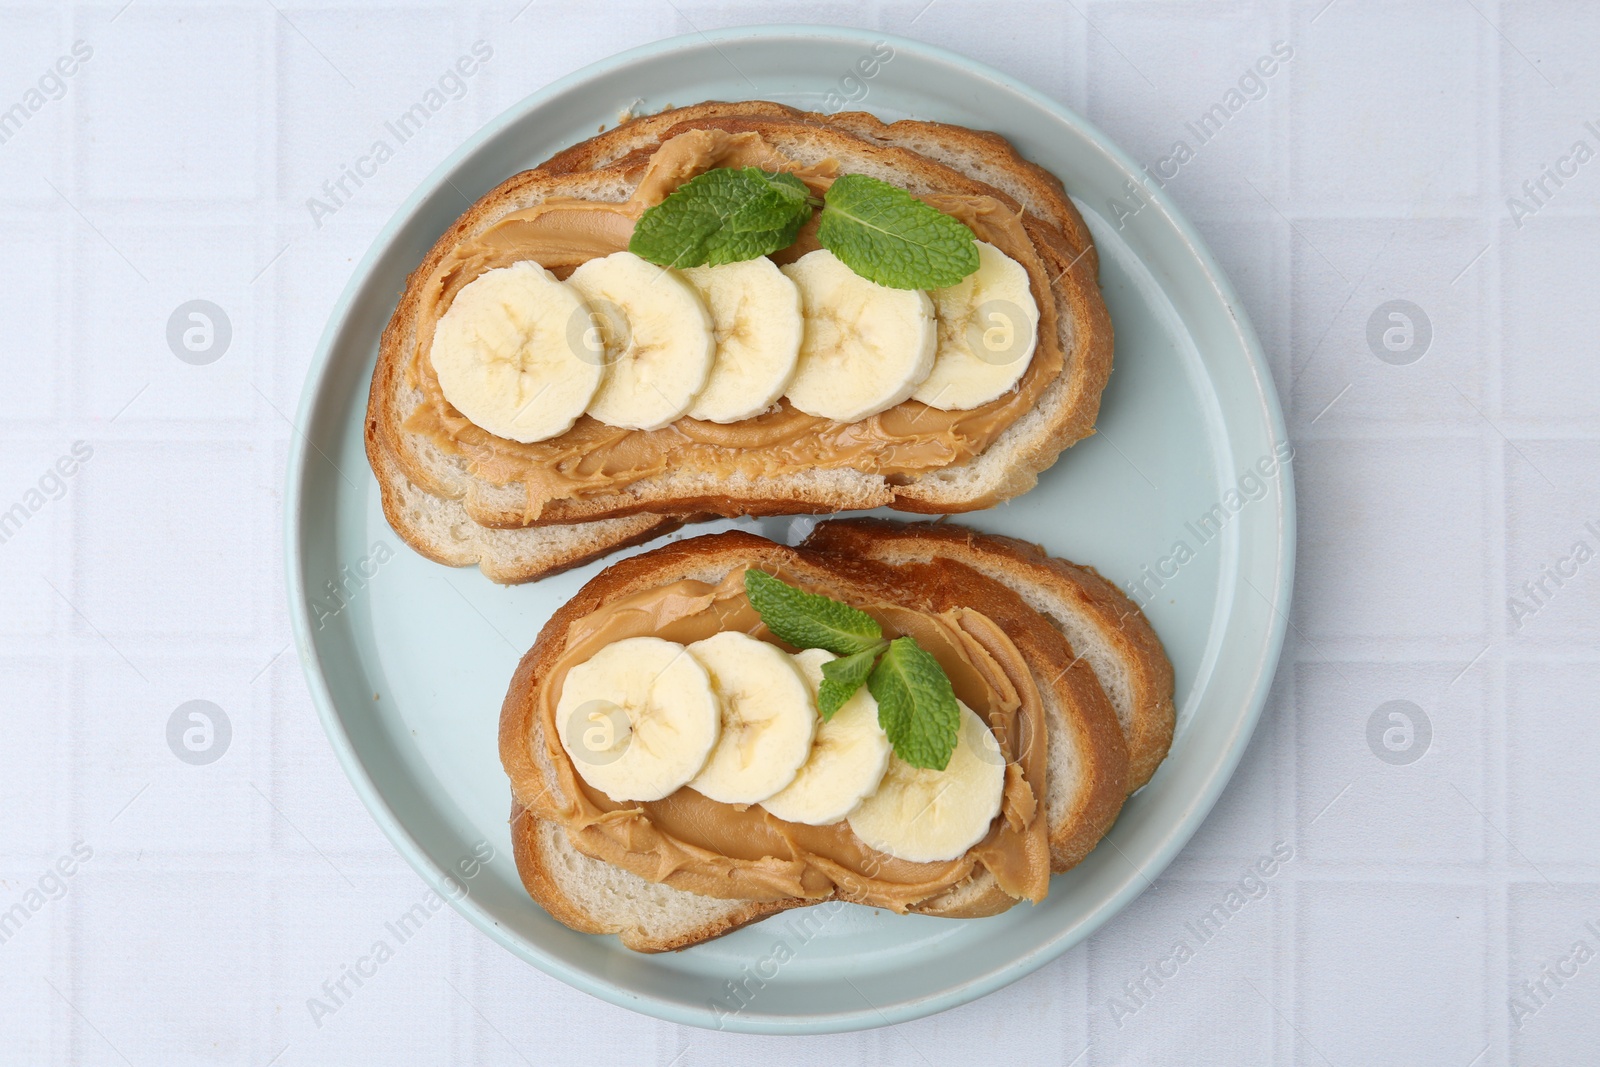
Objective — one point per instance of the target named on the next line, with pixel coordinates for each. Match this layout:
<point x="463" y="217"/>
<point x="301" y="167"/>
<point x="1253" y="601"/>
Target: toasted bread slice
<point x="1105" y="629"/>
<point x="1086" y="753"/>
<point x="1009" y="466"/>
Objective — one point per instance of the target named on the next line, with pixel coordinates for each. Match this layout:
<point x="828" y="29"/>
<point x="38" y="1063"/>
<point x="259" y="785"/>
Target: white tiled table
<point x="1376" y="165"/>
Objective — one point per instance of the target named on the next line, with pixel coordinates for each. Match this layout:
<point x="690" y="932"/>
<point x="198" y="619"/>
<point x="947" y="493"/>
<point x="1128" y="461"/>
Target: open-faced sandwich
<point x="735" y="309"/>
<point x="915" y="717"/>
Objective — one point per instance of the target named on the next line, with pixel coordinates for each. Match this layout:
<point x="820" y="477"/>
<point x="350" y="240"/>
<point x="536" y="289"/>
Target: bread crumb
<point x="632" y="111"/>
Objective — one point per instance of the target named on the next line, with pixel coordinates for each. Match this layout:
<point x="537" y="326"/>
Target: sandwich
<point x="735" y="309"/>
<point x="914" y="717"/>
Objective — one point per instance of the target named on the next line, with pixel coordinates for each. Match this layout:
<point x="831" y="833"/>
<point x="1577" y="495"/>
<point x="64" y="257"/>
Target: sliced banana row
<point x="735" y="718"/>
<point x="523" y="355"/>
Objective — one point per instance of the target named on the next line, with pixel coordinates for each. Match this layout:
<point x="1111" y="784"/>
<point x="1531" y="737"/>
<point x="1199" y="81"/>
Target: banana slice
<point x="988" y="329"/>
<point x="866" y="347"/>
<point x="755" y="313"/>
<point x="767" y="718"/>
<point x="638" y="718"/>
<point x="847" y="760"/>
<point x="657" y="338"/>
<point x="926" y="815"/>
<point x="505" y="355"/>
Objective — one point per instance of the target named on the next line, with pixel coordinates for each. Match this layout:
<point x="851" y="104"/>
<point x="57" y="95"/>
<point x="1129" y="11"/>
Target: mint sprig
<point x="877" y="229"/>
<point x="885" y="234"/>
<point x="723" y="215"/>
<point x="916" y="702"/>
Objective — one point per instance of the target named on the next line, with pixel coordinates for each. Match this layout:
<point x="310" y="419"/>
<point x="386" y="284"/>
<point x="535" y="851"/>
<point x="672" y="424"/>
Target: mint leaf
<point x="791" y="189"/>
<point x="885" y="234"/>
<point x="842" y="677"/>
<point x="806" y="620"/>
<point x="916" y="704"/>
<point x="723" y="215"/>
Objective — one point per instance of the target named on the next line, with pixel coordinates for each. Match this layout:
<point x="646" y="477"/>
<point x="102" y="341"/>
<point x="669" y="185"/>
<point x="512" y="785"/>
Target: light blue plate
<point x="408" y="676"/>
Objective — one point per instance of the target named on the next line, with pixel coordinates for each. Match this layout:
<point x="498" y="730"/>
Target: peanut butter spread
<point x="721" y="850"/>
<point x="560" y="233"/>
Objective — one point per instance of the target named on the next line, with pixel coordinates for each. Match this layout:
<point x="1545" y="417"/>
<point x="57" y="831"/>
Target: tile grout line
<point x="1489" y="282"/>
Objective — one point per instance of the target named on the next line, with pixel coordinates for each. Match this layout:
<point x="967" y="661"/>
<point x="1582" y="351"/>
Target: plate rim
<point x="1174" y="838"/>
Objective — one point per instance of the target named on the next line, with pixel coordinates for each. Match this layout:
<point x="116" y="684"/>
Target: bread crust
<point x="608" y="146"/>
<point x="1010" y="466"/>
<point x="440" y="529"/>
<point x="539" y="857"/>
<point x="1081" y="589"/>
<point x="543" y="851"/>
<point x="1076" y="707"/>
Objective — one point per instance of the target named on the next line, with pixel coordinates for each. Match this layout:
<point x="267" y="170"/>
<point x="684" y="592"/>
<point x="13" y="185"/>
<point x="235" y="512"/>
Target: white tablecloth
<point x="1441" y="902"/>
